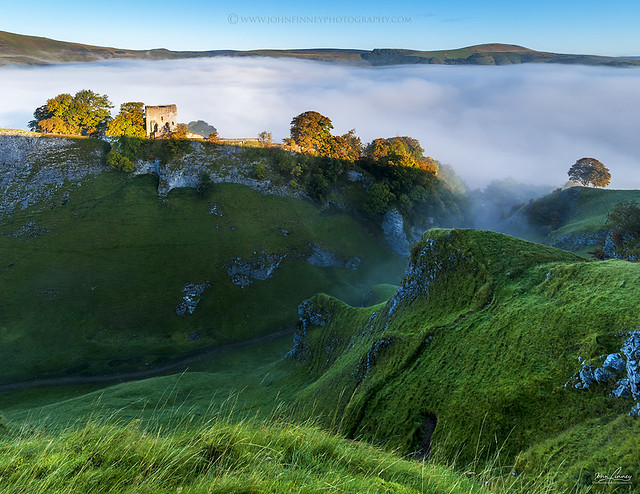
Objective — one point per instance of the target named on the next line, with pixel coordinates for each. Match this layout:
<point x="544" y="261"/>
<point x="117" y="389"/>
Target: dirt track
<point x="132" y="376"/>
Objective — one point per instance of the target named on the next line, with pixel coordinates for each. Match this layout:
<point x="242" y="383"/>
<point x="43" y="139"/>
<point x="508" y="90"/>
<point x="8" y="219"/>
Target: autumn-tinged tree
<point x="347" y="147"/>
<point x="311" y="131"/>
<point x="53" y="125"/>
<point x="399" y="146"/>
<point x="85" y="113"/>
<point x="590" y="171"/>
<point x="181" y="132"/>
<point x="129" y="122"/>
<point x="214" y="139"/>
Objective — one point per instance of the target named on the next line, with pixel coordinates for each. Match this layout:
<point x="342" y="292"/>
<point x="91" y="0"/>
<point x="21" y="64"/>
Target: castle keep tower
<point x="160" y="120"/>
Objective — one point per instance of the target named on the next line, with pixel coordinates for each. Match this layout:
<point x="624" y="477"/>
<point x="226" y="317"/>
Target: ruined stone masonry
<point x="160" y="120"/>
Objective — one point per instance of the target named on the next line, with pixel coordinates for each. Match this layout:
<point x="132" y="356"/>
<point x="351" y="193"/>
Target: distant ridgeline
<point x="31" y="50"/>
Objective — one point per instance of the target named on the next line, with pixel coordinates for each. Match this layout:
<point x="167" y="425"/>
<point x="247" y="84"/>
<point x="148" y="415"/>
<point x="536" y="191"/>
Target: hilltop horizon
<point x="19" y="49"/>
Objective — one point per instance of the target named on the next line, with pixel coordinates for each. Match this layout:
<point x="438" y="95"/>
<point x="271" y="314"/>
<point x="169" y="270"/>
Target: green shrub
<point x="260" y="170"/>
<point x="117" y="161"/>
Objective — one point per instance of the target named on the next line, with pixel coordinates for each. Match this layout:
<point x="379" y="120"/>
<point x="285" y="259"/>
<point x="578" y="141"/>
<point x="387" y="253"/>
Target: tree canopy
<point x="85" y="113"/>
<point x="590" y="171"/>
<point x="311" y="131"/>
<point x="129" y="122"/>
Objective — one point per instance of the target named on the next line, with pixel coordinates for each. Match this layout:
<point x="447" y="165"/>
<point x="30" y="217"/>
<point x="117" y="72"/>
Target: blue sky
<point x="566" y="26"/>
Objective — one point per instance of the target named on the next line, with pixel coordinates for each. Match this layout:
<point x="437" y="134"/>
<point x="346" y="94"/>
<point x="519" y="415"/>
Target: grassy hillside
<point x="477" y="353"/>
<point x="33" y="50"/>
<point x="108" y="266"/>
<point x="488" y="54"/>
<point x="572" y="219"/>
<point x="157" y="435"/>
<point x="474" y="362"/>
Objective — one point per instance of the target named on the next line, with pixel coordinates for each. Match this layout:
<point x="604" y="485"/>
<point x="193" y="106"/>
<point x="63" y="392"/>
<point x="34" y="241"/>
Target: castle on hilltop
<point x="160" y="120"/>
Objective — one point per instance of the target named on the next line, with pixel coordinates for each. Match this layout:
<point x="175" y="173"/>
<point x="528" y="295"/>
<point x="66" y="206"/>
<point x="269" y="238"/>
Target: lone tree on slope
<point x="590" y="171"/>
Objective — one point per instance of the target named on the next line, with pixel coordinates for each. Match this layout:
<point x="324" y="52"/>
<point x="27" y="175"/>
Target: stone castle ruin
<point x="160" y="120"/>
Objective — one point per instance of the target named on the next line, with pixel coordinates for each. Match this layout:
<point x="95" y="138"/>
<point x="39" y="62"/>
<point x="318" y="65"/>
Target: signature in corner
<point x="617" y="477"/>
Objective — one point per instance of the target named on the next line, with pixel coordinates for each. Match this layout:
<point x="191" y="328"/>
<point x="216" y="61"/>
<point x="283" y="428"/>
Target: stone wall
<point x="160" y="120"/>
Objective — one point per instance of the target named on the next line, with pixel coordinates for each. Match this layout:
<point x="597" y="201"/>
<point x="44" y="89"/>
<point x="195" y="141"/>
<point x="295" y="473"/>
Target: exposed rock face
<point x="422" y="272"/>
<point x="622" y="369"/>
<point x="326" y="259"/>
<point x="609" y="247"/>
<point x="33" y="167"/>
<point x="191" y="297"/>
<point x="577" y="241"/>
<point x="393" y="228"/>
<point x="243" y="272"/>
<point x="223" y="166"/>
<point x="368" y="360"/>
<point x="31" y="230"/>
<point x="309" y="315"/>
<point x="631" y="350"/>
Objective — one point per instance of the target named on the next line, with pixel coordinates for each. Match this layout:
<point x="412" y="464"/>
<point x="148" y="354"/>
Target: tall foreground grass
<point x="218" y="455"/>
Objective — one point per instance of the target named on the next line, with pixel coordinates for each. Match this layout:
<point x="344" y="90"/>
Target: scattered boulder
<point x="243" y="272"/>
<point x="624" y="372"/>
<point x="326" y="259"/>
<point x="191" y="297"/>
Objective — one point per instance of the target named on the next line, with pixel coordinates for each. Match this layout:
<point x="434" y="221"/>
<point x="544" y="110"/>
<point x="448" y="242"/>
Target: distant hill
<point x="18" y="49"/>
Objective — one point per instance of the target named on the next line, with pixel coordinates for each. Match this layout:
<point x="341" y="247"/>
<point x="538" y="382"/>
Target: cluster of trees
<point x="311" y="134"/>
<point x="403" y="177"/>
<point x="86" y="113"/>
<point x="89" y="114"/>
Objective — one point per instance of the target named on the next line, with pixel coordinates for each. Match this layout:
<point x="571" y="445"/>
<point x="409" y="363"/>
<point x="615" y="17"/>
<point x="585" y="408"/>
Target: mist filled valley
<point x="442" y="300"/>
<point x="528" y="122"/>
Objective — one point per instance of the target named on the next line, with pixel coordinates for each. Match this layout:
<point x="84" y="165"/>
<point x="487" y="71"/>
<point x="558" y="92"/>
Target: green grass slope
<point x="91" y="284"/>
<point x="573" y="219"/>
<point x="224" y="426"/>
<point x="472" y="354"/>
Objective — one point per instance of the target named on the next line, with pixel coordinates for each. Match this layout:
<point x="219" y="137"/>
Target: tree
<point x="590" y="171"/>
<point x="214" y="139"/>
<point x="398" y="146"/>
<point x="85" y="113"/>
<point x="311" y="131"/>
<point x="380" y="196"/>
<point x="53" y="125"/>
<point x="625" y="218"/>
<point x="129" y="122"/>
<point x="347" y="147"/>
<point x="265" y="138"/>
<point x="181" y="132"/>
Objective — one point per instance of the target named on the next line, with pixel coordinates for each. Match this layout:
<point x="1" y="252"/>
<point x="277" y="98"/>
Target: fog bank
<point x="530" y="122"/>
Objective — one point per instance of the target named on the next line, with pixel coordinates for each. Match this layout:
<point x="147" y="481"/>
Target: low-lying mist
<point x="528" y="122"/>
